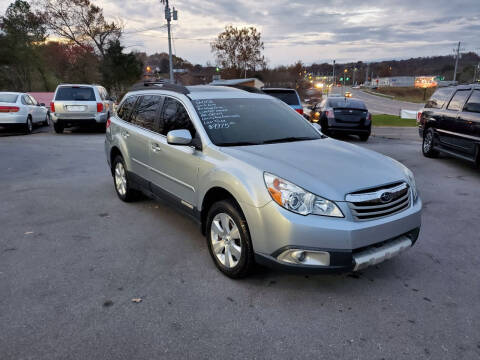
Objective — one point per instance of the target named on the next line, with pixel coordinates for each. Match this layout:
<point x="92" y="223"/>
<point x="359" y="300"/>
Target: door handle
<point x="156" y="148"/>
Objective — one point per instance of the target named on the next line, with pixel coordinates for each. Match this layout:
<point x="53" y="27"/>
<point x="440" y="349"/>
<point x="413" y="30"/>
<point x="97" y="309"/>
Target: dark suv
<point x="450" y="123"/>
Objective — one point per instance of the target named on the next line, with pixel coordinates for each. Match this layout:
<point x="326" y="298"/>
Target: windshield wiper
<point x="289" y="139"/>
<point x="239" y="143"/>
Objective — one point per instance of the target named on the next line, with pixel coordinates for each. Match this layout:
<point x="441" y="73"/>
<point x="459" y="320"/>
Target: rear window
<point x="439" y="98"/>
<point x="75" y="94"/>
<point x="346" y="103"/>
<point x="8" y="98"/>
<point x="287" y="96"/>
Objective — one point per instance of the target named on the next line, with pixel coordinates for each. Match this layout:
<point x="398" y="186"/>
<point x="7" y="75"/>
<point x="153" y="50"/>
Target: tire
<point x="28" y="126"/>
<point x="231" y="250"/>
<point x="428" y="149"/>
<point x="364" y="137"/>
<point x="121" y="182"/>
<point x="58" y="128"/>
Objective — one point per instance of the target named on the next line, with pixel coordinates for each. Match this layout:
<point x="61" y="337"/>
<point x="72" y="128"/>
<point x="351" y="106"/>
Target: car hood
<point x="325" y="167"/>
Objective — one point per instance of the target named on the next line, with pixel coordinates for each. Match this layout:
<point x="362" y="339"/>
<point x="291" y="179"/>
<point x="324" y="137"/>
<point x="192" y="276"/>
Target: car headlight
<point x="411" y="182"/>
<point x="297" y="200"/>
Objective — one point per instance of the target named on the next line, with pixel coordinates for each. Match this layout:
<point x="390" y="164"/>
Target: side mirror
<point x="179" y="137"/>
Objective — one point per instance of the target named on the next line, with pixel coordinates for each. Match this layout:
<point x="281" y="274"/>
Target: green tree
<point x="22" y="31"/>
<point x="239" y="49"/>
<point x="119" y="70"/>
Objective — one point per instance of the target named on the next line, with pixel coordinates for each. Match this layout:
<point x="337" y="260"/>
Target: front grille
<point x="379" y="202"/>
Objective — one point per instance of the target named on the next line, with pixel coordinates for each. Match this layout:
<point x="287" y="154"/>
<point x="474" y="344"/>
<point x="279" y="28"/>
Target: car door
<point x="450" y="125"/>
<point x="174" y="168"/>
<point x="29" y="106"/>
<point x="37" y="110"/>
<point x="135" y="132"/>
<point x="470" y="122"/>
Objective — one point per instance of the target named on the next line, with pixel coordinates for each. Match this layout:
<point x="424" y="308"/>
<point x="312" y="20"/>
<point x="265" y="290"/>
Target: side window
<point x="26" y="100"/>
<point x="101" y="92"/>
<point x="105" y="94"/>
<point x="458" y="100"/>
<point x="146" y="112"/>
<point x="175" y="117"/>
<point x="32" y="100"/>
<point x="439" y="98"/>
<point x="473" y="104"/>
<point x="125" y="109"/>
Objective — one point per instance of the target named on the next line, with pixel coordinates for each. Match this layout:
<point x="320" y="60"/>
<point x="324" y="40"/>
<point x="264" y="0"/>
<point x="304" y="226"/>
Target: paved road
<point x="72" y="257"/>
<point x="381" y="105"/>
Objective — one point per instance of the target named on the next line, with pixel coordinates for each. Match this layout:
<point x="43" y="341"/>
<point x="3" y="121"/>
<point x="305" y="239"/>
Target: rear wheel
<point x="121" y="182"/>
<point x="428" y="144"/>
<point x="228" y="240"/>
<point x="364" y="137"/>
<point x="28" y="126"/>
<point x="58" y="128"/>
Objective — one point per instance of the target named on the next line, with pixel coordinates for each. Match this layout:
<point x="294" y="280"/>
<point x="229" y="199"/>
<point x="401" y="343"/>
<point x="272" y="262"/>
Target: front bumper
<point x="274" y="229"/>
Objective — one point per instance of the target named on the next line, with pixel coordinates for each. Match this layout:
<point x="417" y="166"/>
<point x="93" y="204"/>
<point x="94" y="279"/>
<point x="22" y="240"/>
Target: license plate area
<point x="76" y="108"/>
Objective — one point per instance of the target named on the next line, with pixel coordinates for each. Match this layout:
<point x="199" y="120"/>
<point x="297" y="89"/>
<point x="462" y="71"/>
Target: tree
<point x="81" y="22"/>
<point x="21" y="31"/>
<point x="119" y="70"/>
<point x="239" y="49"/>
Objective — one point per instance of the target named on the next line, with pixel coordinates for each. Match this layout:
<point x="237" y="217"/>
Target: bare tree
<point x="239" y="49"/>
<point x="82" y="23"/>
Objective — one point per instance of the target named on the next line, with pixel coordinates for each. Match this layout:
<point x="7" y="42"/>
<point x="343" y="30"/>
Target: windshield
<point x="289" y="97"/>
<point x="75" y="94"/>
<point x="8" y="98"/>
<point x="230" y="122"/>
<point x="346" y="103"/>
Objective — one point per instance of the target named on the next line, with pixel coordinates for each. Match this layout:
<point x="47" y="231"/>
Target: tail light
<point x="52" y="107"/>
<point x="419" y="116"/>
<point x="109" y="122"/>
<point x="300" y="111"/>
<point x="369" y="117"/>
<point x="9" y="109"/>
<point x="99" y="107"/>
<point x="330" y="114"/>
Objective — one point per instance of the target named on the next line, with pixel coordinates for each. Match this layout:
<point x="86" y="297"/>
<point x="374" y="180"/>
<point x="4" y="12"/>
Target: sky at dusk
<point x="311" y="31"/>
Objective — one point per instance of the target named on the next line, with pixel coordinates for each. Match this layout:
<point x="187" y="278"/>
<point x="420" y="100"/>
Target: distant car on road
<point x="338" y="114"/>
<point x="263" y="184"/>
<point x="80" y="105"/>
<point x="288" y="96"/>
<point x="348" y="94"/>
<point x="20" y="110"/>
<point x="450" y="123"/>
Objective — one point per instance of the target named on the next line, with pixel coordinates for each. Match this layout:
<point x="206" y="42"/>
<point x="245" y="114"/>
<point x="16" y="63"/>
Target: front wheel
<point x="428" y="142"/>
<point x="228" y="240"/>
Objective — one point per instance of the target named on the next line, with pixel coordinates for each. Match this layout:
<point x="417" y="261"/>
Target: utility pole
<point x="366" y="73"/>
<point x="476" y="71"/>
<point x="168" y="16"/>
<point x="456" y="61"/>
<point x="334" y="82"/>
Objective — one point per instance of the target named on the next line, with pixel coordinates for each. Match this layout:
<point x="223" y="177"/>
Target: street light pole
<point x="168" y="17"/>
<point x="456" y="61"/>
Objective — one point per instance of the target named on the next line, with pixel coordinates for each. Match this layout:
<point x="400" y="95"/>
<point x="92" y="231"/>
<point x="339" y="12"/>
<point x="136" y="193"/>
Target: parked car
<point x="80" y="105"/>
<point x="343" y="115"/>
<point x="20" y="110"/>
<point x="450" y="123"/>
<point x="262" y="182"/>
<point x="288" y="96"/>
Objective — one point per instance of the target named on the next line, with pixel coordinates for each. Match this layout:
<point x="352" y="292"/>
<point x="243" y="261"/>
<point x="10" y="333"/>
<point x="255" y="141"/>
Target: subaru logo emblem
<point x="386" y="197"/>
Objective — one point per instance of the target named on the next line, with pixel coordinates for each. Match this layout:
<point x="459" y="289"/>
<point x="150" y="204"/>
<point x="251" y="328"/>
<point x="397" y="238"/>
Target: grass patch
<point x="392" y="120"/>
<point x="410" y="94"/>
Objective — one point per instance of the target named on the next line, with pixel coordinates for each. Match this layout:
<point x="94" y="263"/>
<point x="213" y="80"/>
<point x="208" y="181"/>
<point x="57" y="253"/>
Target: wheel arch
<point x="114" y="152"/>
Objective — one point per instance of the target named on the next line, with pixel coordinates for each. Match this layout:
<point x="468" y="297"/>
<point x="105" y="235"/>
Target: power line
<point x="135" y="31"/>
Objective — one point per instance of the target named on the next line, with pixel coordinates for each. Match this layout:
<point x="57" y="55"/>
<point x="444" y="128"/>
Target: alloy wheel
<point x="225" y="239"/>
<point x="120" y="179"/>
<point x="427" y="142"/>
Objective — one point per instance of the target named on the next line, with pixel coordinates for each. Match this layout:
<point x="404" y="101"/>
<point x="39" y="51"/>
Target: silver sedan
<point x="22" y="111"/>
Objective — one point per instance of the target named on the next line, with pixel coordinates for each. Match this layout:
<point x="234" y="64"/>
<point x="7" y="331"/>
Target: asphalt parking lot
<point x="73" y="256"/>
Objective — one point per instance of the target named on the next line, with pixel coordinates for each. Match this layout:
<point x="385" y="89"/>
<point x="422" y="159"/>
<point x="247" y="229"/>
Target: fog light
<point x="305" y="257"/>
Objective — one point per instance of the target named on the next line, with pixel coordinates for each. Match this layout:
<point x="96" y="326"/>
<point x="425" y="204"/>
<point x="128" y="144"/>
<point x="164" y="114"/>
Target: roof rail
<point x="163" y="84"/>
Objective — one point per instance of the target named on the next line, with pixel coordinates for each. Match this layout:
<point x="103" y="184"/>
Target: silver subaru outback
<point x="263" y="183"/>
